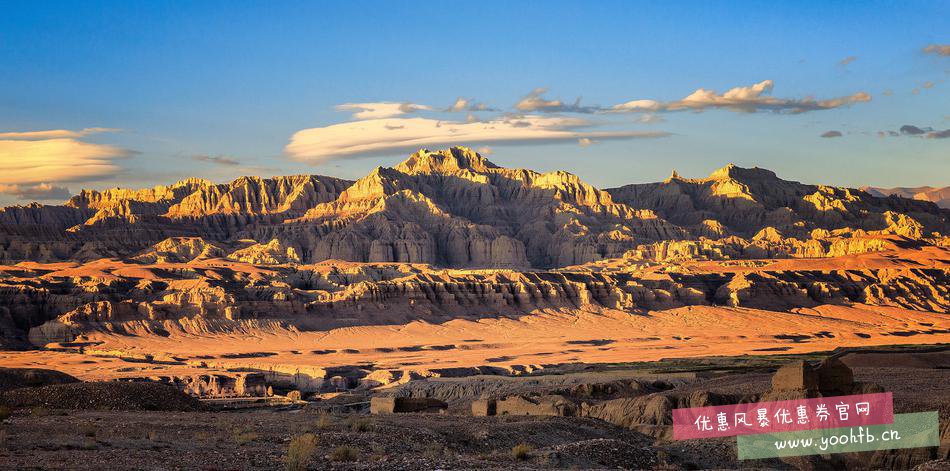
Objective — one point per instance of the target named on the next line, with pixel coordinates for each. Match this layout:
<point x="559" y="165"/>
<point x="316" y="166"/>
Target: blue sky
<point x="220" y="89"/>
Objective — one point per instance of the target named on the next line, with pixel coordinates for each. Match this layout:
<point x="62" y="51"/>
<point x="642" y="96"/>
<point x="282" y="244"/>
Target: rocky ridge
<point x="454" y="208"/>
<point x="56" y="304"/>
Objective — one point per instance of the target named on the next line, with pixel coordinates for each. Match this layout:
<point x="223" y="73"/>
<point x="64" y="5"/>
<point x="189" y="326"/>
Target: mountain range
<point x="455" y="208"/>
<point x="306" y="276"/>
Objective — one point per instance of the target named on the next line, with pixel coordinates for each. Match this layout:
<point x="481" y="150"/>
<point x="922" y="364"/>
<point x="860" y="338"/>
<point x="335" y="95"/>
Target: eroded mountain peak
<point x="735" y="172"/>
<point x="447" y="161"/>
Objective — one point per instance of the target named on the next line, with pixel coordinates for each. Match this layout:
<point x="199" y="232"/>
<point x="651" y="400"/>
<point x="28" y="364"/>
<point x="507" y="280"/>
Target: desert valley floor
<point x="464" y="344"/>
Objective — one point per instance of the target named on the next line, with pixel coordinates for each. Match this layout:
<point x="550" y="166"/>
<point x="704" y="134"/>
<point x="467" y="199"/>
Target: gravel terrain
<point x="261" y="440"/>
<point x="149" y="426"/>
<point x="102" y="396"/>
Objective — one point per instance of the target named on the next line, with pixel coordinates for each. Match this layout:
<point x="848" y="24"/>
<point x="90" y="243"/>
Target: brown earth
<point x="617" y="433"/>
<point x="402" y="321"/>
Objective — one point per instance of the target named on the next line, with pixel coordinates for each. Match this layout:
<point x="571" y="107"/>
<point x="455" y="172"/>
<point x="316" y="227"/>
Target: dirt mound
<point x="927" y="360"/>
<point x="13" y="378"/>
<point x="102" y="396"/>
<point x="605" y="452"/>
<point x="460" y="392"/>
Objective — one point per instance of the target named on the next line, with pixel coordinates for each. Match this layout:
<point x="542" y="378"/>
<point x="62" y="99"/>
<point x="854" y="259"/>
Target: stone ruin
<point x="799" y="380"/>
<point x="396" y="405"/>
<point x="552" y="405"/>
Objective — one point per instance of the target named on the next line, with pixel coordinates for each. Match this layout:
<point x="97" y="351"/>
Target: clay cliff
<point x="57" y="303"/>
<point x="454" y="208"/>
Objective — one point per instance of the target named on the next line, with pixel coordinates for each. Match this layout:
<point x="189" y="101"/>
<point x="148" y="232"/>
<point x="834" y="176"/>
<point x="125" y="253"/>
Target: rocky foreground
<point x="615" y="417"/>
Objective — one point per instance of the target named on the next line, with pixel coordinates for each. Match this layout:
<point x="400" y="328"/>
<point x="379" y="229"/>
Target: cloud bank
<point x="54" y="133"/>
<point x="534" y="102"/>
<point x="33" y="164"/>
<point x="382" y="128"/>
<point x="753" y="98"/>
<point x="394" y="135"/>
<point x="467" y="104"/>
<point x="916" y="131"/>
<point x="40" y="192"/>
<point x="216" y="159"/>
<point x="56" y="160"/>
<point x="749" y="99"/>
<point x="379" y="110"/>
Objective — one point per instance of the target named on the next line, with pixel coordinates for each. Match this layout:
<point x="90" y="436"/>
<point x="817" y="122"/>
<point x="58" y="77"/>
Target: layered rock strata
<point x="454" y="208"/>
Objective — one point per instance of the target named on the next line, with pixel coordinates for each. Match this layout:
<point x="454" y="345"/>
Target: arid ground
<point x="345" y="437"/>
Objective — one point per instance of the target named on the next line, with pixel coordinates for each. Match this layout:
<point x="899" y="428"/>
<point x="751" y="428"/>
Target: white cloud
<point x="467" y="104"/>
<point x="40" y="192"/>
<point x="381" y="110"/>
<point x="533" y="102"/>
<point x="460" y="104"/>
<point x="30" y="162"/>
<point x="650" y="118"/>
<point x="54" y="133"/>
<point x="638" y="105"/>
<point x="393" y="135"/>
<point x="749" y="99"/>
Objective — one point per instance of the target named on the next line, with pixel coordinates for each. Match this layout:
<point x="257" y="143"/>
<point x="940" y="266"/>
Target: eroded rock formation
<point x="197" y="256"/>
<point x="56" y="303"/>
<point x="454" y="208"/>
